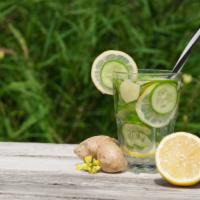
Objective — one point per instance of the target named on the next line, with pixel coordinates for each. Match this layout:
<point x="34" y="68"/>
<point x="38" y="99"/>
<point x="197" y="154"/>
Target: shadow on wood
<point x="163" y="183"/>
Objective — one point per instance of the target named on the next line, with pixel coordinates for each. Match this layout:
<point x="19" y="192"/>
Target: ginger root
<point x="104" y="149"/>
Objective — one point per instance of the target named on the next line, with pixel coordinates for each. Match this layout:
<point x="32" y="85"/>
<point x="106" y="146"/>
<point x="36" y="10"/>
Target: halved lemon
<point x="178" y="158"/>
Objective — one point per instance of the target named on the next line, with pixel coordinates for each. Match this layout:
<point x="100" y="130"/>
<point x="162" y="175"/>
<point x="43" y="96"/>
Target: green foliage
<point x="47" y="48"/>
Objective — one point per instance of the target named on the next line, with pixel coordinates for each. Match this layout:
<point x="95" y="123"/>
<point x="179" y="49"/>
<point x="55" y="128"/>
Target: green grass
<point x="46" y="92"/>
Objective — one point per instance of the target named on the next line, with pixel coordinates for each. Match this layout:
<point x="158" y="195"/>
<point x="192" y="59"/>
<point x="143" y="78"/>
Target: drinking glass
<point x="146" y="105"/>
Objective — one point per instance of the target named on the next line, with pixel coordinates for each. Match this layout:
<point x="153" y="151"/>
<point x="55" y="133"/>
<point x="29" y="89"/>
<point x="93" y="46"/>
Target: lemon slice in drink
<point x="135" y="154"/>
<point x="178" y="158"/>
<point x="108" y="62"/>
<point x="146" y="112"/>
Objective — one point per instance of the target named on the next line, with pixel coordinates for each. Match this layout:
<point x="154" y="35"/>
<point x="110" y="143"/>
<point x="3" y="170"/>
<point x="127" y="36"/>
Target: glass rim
<point x="155" y="72"/>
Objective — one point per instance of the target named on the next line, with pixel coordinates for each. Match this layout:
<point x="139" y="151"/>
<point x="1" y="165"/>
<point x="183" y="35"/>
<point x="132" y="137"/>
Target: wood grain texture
<point x="31" y="171"/>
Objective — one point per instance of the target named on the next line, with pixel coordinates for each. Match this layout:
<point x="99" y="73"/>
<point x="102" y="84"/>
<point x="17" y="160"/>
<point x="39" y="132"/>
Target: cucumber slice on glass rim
<point x="147" y="114"/>
<point x="164" y="98"/>
<point x="136" y="136"/>
<point x="108" y="62"/>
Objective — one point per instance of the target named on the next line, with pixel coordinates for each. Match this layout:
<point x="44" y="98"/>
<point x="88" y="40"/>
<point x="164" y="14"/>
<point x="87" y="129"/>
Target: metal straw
<point x="182" y="59"/>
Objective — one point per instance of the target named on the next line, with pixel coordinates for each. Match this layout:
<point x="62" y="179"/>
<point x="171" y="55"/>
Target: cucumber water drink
<point x="145" y="101"/>
<point x="145" y="110"/>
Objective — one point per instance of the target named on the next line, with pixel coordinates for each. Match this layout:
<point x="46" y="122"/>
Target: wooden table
<point x="35" y="171"/>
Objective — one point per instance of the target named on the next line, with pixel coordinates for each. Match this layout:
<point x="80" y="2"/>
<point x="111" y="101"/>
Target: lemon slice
<point x="135" y="154"/>
<point x="147" y="114"/>
<point x="178" y="158"/>
<point x="108" y="62"/>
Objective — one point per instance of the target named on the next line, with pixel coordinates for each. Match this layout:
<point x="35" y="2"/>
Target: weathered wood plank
<point x="67" y="186"/>
<point x="36" y="149"/>
<point x="43" y="171"/>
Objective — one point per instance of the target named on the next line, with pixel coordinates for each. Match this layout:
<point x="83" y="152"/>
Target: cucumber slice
<point x="107" y="63"/>
<point x="107" y="70"/>
<point x="136" y="136"/>
<point x="164" y="98"/>
<point x="129" y="91"/>
<point x="147" y="114"/>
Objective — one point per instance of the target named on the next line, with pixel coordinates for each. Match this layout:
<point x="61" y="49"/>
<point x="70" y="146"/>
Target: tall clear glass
<point x="146" y="106"/>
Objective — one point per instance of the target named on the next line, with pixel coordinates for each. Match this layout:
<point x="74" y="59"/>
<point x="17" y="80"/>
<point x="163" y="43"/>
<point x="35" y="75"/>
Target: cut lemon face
<point x="106" y="64"/>
<point x="178" y="158"/>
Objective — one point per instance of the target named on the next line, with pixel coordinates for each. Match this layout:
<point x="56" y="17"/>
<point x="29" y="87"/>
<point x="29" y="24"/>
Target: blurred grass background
<point x="47" y="48"/>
